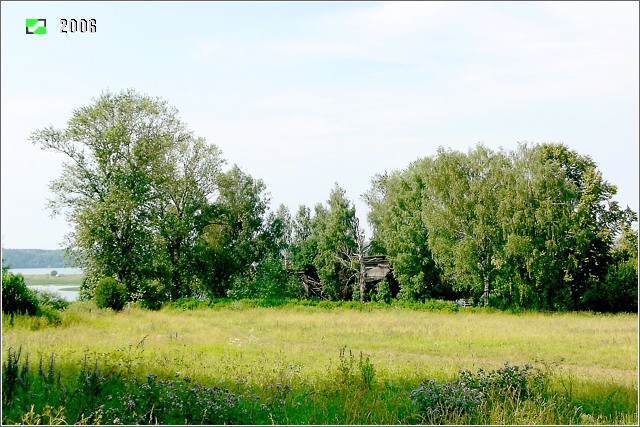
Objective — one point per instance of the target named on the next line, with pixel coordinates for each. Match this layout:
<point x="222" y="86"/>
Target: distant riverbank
<point x="46" y="271"/>
<point x="66" y="283"/>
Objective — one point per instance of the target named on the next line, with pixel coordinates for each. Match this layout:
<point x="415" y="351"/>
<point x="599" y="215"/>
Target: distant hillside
<point x="33" y="258"/>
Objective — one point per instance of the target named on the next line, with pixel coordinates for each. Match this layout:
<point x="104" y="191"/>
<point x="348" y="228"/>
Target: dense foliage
<point x="533" y="228"/>
<point x="110" y="294"/>
<point x="152" y="208"/>
<point x="16" y="297"/>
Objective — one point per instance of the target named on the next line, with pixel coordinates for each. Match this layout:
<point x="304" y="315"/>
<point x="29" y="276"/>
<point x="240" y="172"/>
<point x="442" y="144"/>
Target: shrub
<point x="153" y="295"/>
<point x="54" y="273"/>
<point x="16" y="297"/>
<point x="383" y="293"/>
<point x="110" y="294"/>
<point x="51" y="299"/>
<point x="271" y="281"/>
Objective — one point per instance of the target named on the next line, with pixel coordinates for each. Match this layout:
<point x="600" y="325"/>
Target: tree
<point x="238" y="240"/>
<point x="461" y="206"/>
<point x="184" y="205"/>
<point x="334" y="231"/>
<point x="561" y="222"/>
<point x="356" y="260"/>
<point x="303" y="246"/>
<point x="531" y="228"/>
<point x="134" y="186"/>
<point x="399" y="231"/>
<point x="281" y="232"/>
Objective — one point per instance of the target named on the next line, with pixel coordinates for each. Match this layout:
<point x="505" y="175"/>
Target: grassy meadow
<point x="333" y="365"/>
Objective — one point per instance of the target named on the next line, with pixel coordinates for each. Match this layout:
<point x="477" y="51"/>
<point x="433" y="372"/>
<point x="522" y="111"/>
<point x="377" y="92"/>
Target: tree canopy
<point x="531" y="228"/>
<point x="153" y="208"/>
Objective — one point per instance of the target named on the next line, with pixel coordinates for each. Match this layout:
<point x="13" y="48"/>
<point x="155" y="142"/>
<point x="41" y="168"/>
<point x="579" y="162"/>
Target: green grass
<point x="591" y="359"/>
<point x="47" y="279"/>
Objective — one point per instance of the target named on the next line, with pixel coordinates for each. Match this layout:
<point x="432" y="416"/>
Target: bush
<point x="16" y="297"/>
<point x="154" y="294"/>
<point x="271" y="281"/>
<point x="51" y="299"/>
<point x="110" y="294"/>
<point x="54" y="273"/>
<point x="383" y="293"/>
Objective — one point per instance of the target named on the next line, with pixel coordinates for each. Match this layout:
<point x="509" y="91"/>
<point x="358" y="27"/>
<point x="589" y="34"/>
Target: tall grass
<point x="342" y="365"/>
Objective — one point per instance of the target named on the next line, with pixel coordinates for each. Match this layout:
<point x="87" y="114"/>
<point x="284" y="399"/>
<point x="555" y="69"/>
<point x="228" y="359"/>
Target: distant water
<point x="68" y="295"/>
<point x="61" y="270"/>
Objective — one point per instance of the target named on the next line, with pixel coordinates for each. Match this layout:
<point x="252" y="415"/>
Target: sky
<point x="304" y="95"/>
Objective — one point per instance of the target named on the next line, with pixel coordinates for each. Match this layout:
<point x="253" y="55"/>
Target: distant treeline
<point x="33" y="258"/>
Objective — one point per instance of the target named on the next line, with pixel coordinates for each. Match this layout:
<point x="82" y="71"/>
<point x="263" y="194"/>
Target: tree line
<point x="153" y="207"/>
<point x="33" y="258"/>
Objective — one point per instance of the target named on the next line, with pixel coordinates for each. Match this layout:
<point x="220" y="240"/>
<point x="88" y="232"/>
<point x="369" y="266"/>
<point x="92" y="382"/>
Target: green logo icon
<point x="36" y="26"/>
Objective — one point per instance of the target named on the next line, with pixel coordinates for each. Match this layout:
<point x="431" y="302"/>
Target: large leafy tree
<point x="396" y="202"/>
<point x="334" y="231"/>
<point x="239" y="239"/>
<point x="133" y="186"/>
<point x="619" y="290"/>
<point x="536" y="223"/>
<point x="594" y="220"/>
<point x="534" y="227"/>
<point x="563" y="226"/>
<point x="184" y="205"/>
<point x="461" y="212"/>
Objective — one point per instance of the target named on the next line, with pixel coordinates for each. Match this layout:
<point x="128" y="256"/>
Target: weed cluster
<point x="350" y="373"/>
<point x="472" y="397"/>
<point x="94" y="398"/>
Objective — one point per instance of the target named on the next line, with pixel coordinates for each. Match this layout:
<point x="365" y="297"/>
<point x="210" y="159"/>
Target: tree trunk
<point x="486" y="289"/>
<point x="362" y="271"/>
<point x="362" y="277"/>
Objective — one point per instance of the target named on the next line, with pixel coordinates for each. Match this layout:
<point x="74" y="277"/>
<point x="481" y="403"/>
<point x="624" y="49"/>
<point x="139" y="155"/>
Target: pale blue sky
<point x="306" y="94"/>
